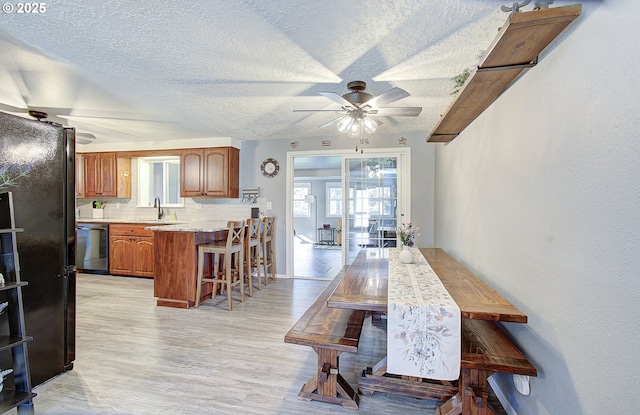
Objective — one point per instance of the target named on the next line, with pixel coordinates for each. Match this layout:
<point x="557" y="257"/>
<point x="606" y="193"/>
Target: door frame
<point x="404" y="187"/>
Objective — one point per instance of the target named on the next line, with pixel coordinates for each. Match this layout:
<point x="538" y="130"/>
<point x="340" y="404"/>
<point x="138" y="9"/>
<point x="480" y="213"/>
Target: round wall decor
<point x="270" y="167"/>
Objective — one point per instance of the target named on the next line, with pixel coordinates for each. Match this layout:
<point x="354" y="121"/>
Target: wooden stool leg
<point x="247" y="270"/>
<point x="214" y="274"/>
<point x="256" y="261"/>
<point x="240" y="268"/>
<point x="227" y="270"/>
<point x="264" y="263"/>
<point x="200" y="272"/>
<point x="273" y="260"/>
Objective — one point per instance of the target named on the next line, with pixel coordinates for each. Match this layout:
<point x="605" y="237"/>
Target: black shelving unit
<point x="16" y="391"/>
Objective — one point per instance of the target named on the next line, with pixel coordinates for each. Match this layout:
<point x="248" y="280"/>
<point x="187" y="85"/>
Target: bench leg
<point x="473" y="396"/>
<point x="328" y="385"/>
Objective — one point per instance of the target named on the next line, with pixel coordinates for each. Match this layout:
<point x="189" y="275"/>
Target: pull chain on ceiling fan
<point x="358" y="108"/>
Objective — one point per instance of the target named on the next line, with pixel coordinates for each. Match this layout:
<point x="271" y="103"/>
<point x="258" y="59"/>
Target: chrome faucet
<point x="156" y="204"/>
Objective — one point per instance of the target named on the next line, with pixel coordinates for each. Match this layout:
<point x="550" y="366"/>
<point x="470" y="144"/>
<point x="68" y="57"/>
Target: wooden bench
<point x="485" y="350"/>
<point x="329" y="331"/>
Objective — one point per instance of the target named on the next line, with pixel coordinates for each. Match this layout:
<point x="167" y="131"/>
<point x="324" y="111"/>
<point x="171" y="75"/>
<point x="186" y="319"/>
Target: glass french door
<point x="371" y="203"/>
<point x="359" y="199"/>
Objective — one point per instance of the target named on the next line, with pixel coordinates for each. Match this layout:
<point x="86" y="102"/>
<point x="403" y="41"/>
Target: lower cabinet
<point x="130" y="250"/>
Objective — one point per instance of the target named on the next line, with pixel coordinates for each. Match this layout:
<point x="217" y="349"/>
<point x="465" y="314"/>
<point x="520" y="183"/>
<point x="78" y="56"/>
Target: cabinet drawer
<point x="129" y="230"/>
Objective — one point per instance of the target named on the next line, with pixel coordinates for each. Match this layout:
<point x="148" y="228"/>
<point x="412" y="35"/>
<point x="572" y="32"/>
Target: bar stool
<point x="232" y="272"/>
<point x="252" y="252"/>
<point x="267" y="241"/>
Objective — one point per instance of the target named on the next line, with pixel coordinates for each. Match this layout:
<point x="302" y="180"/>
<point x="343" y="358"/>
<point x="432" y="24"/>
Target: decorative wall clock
<point x="270" y="167"/>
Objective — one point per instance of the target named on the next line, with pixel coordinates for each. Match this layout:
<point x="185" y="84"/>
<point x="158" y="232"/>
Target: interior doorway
<point x="317" y="216"/>
<point x="339" y="203"/>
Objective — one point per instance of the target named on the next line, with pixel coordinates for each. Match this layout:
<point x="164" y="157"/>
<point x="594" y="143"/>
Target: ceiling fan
<point x="359" y="107"/>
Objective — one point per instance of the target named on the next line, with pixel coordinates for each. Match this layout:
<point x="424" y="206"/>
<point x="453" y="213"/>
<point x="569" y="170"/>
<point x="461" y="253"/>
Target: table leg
<point x="472" y="399"/>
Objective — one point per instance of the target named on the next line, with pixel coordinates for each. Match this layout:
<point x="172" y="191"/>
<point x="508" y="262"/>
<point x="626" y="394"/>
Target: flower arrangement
<point x="407" y="232"/>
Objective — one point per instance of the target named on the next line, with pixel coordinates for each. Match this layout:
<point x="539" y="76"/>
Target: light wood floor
<point x="136" y="358"/>
<point x="316" y="261"/>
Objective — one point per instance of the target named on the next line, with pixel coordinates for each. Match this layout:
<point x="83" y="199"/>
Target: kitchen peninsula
<point x="176" y="254"/>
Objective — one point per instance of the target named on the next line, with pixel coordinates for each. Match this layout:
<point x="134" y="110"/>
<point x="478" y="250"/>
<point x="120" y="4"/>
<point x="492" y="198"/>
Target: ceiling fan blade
<point x="392" y="95"/>
<point x="336" y="111"/>
<point x="330" y="123"/>
<point x="397" y="111"/>
<point x="377" y="120"/>
<point x="337" y="99"/>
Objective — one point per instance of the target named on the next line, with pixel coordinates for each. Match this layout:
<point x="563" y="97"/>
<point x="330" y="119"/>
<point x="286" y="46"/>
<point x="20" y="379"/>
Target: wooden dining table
<point x="365" y="287"/>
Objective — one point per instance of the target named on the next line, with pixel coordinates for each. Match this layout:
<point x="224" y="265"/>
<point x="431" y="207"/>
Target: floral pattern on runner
<point x="423" y="337"/>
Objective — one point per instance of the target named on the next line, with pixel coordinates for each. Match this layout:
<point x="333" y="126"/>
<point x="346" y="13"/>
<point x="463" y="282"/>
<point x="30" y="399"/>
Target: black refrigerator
<point x="37" y="164"/>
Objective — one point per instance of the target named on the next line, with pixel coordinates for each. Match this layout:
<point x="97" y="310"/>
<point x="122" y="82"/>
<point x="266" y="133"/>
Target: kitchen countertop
<point x="210" y="226"/>
<point x="141" y="221"/>
<point x="167" y="225"/>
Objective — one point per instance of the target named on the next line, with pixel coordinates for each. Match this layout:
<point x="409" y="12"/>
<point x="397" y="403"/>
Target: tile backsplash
<point x="208" y="209"/>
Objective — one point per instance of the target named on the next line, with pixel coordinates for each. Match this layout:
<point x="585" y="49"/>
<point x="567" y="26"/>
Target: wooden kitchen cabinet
<point x="210" y="172"/>
<point x="106" y="175"/>
<point x="131" y="250"/>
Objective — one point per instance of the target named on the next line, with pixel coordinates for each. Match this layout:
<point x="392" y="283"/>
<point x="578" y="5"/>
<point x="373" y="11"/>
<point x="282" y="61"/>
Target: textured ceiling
<point x="158" y="69"/>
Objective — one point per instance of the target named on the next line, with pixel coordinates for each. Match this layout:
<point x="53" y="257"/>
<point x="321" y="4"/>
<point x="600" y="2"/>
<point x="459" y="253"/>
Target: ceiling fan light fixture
<point x="369" y="125"/>
<point x="354" y="131"/>
<point x="345" y="123"/>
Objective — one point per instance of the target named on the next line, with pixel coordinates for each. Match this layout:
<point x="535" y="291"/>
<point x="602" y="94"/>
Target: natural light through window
<point x="301" y="207"/>
<point x="159" y="177"/>
<point x="334" y="199"/>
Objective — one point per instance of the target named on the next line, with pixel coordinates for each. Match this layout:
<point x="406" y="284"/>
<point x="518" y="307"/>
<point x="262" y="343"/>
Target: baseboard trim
<point x="501" y="397"/>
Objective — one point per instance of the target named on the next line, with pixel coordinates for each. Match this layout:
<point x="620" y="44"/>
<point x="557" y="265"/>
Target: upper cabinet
<point x="106" y="175"/>
<point x="523" y="36"/>
<point x="210" y="172"/>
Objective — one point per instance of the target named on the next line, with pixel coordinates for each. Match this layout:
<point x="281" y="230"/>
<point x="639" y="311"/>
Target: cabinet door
<point x="143" y="257"/>
<point x="216" y="179"/>
<point x="191" y="173"/>
<point x="108" y="175"/>
<point x="91" y="178"/>
<point x="100" y="174"/>
<point x="121" y="255"/>
<point x="222" y="172"/>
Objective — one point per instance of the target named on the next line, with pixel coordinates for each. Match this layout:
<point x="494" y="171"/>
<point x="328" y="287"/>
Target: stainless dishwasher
<point x="92" y="248"/>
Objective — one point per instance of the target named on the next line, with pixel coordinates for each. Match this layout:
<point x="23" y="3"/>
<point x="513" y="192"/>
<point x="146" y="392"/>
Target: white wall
<point x="540" y="197"/>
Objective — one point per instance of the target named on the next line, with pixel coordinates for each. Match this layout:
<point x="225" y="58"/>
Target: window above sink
<point x="159" y="176"/>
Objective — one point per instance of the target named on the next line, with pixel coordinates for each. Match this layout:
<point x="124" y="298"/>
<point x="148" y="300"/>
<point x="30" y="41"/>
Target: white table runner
<point x="423" y="322"/>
